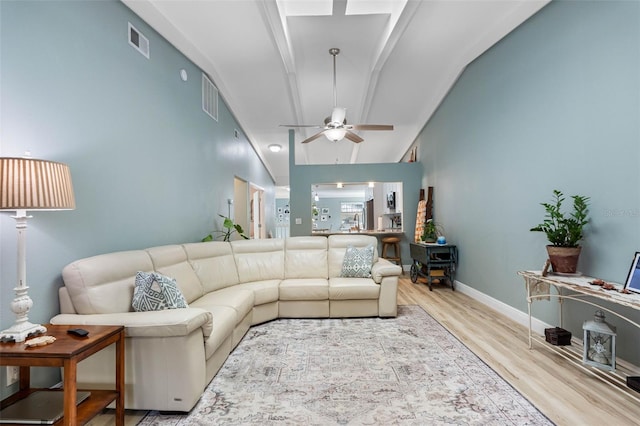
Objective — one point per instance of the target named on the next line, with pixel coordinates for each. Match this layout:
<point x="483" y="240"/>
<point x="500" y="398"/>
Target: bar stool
<point x="391" y="242"/>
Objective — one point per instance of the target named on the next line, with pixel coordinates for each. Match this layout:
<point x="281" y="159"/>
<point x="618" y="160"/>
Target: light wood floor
<point x="565" y="393"/>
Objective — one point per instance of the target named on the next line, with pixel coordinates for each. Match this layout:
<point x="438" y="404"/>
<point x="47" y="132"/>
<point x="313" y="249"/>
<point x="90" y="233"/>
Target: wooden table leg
<point x="120" y="380"/>
<point x="25" y="378"/>
<point x="70" y="387"/>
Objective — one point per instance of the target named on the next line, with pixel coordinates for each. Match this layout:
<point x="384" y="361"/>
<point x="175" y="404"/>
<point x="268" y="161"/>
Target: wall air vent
<point x="138" y="41"/>
<point x="209" y="98"/>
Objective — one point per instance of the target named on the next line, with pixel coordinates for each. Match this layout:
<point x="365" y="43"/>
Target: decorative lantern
<point x="599" y="343"/>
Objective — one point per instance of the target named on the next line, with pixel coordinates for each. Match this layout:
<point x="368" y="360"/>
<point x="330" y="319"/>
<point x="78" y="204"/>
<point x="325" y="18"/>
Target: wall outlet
<point x="13" y="374"/>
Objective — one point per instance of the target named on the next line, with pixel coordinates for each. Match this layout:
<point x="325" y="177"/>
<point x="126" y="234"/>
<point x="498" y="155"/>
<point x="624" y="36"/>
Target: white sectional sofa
<point x="171" y="355"/>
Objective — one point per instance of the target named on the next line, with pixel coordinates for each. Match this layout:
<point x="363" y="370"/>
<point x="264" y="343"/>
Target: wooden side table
<point x="66" y="352"/>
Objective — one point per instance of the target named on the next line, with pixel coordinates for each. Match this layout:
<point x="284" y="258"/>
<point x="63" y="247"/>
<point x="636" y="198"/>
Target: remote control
<point x="78" y="332"/>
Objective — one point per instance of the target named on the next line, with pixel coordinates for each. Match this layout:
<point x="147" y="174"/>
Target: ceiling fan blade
<point x="302" y="125"/>
<point x="314" y="137"/>
<point x="371" y="126"/>
<point x="338" y="115"/>
<point x="353" y="137"/>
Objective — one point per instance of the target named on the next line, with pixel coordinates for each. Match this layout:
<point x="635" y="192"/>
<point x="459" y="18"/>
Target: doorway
<point x="241" y="203"/>
<point x="256" y="212"/>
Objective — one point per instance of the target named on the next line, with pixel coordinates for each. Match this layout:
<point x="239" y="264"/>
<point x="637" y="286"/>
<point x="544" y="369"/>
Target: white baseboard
<point x="522" y="318"/>
<point x="510" y="312"/>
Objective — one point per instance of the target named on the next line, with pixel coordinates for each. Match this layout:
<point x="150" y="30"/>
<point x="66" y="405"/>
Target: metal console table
<point x="433" y="261"/>
<point x="578" y="288"/>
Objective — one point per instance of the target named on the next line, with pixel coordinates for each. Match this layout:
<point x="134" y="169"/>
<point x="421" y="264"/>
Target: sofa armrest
<point x="384" y="268"/>
<point x="166" y="323"/>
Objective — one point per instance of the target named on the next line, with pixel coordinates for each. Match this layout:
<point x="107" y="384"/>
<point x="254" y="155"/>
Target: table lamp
<point x="30" y="184"/>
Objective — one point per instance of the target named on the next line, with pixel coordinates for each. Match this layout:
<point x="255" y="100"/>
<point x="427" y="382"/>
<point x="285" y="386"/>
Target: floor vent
<point x="209" y="98"/>
<point x="138" y="41"/>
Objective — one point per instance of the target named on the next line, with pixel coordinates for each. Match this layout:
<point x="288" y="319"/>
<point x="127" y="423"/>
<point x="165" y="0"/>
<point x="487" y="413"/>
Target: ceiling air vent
<point x="138" y="41"/>
<point x="209" y="98"/>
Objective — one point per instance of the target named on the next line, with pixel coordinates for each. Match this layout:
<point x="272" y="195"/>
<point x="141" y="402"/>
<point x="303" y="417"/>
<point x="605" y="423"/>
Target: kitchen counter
<point x="362" y="232"/>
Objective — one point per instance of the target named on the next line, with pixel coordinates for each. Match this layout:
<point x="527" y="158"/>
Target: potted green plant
<point x="229" y="229"/>
<point x="431" y="231"/>
<point x="564" y="231"/>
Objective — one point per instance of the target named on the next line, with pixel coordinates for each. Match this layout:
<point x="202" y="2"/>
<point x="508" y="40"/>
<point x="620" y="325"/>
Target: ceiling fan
<point x="335" y="127"/>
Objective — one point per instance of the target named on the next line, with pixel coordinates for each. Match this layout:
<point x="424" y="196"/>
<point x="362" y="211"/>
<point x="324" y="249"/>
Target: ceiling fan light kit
<point x="335" y="135"/>
<point x="335" y="127"/>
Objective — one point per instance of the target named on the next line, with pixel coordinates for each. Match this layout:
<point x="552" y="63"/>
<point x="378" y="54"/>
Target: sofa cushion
<point x="213" y="263"/>
<point x="103" y="284"/>
<point x="353" y="289"/>
<point x="357" y="262"/>
<point x="241" y="300"/>
<point x="338" y="246"/>
<point x="306" y="257"/>
<point x="156" y="292"/>
<point x="304" y="289"/>
<point x="171" y="260"/>
<point x="259" y="260"/>
<point x="263" y="291"/>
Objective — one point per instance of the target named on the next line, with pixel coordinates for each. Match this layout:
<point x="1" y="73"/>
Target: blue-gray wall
<point x="554" y="105"/>
<point x="149" y="167"/>
<point x="302" y="177"/>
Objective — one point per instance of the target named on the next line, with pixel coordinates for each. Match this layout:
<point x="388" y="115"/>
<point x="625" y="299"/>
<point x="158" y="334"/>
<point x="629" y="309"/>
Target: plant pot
<point x="564" y="259"/>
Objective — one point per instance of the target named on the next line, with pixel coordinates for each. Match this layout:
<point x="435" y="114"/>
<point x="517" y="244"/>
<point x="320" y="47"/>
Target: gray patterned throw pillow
<point x="155" y="292"/>
<point x="357" y="262"/>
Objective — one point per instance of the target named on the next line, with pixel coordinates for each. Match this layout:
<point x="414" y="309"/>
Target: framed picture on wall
<point x="633" y="278"/>
<point x="325" y="210"/>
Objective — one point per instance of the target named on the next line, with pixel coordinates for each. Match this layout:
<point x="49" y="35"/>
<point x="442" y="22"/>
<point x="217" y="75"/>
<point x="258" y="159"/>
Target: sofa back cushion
<point x="306" y="257"/>
<point x="213" y="263"/>
<point x="259" y="260"/>
<point x="338" y="246"/>
<point x="172" y="262"/>
<point x="103" y="284"/>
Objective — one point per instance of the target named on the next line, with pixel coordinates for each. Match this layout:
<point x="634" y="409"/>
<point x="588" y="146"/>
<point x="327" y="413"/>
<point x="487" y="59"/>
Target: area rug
<point x="407" y="370"/>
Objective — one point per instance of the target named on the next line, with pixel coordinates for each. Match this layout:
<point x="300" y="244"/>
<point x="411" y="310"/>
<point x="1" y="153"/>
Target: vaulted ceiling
<point x="270" y="61"/>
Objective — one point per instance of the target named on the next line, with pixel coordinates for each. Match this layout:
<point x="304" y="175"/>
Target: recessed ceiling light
<point x="275" y="147"/>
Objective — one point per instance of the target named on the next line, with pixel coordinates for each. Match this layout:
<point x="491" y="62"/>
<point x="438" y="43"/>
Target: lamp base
<point x="20" y="331"/>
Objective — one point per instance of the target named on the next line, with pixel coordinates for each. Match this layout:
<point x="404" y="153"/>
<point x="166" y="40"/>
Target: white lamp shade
<point x="30" y="184"/>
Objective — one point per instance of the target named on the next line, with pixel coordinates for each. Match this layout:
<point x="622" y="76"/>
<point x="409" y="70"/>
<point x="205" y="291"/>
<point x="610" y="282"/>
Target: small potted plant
<point x="564" y="231"/>
<point x="229" y="229"/>
<point x="431" y="231"/>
